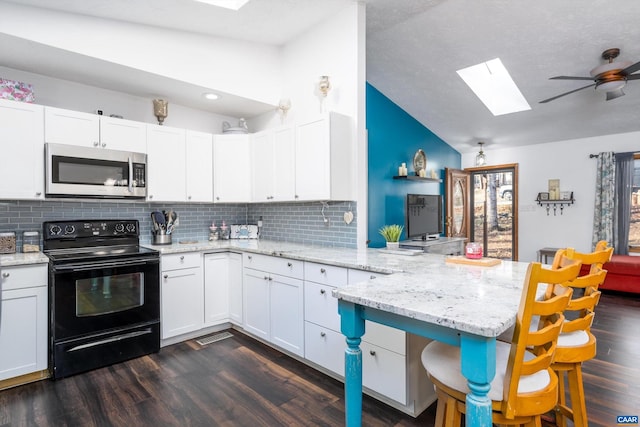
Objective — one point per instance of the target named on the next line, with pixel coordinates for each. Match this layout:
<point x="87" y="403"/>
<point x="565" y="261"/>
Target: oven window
<point x="109" y="294"/>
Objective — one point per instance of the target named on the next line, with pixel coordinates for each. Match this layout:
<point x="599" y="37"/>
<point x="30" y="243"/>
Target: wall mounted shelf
<point x="416" y="178"/>
<point x="555" y="203"/>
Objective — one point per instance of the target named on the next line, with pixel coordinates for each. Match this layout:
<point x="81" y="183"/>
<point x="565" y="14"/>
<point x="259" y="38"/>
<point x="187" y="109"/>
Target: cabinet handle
<point x="104" y="144"/>
<point x="322" y="334"/>
<point x="39" y="193"/>
<point x="166" y="276"/>
<point x="188" y="197"/>
<point x="182" y="258"/>
<point x="372" y="352"/>
<point x="249" y="257"/>
<point x="5" y="275"/>
<point x="270" y="278"/>
<point x="217" y="198"/>
<point x="95" y="144"/>
<point x="266" y="278"/>
<point x="322" y="270"/>
<point x="151" y="196"/>
<point x="372" y="277"/>
<point x="322" y="291"/>
<point x="289" y="264"/>
<point x="296" y="196"/>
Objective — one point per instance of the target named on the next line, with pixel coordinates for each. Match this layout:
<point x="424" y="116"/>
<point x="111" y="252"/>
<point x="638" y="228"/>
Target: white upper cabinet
<point x="22" y="161"/>
<point x="232" y="169"/>
<point x="91" y="130"/>
<point x="166" y="175"/>
<point x="273" y="156"/>
<point x="199" y="166"/>
<point x="324" y="159"/>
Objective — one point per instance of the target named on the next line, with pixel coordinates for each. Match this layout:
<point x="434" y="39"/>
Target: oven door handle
<point x="111" y="339"/>
<point x="99" y="265"/>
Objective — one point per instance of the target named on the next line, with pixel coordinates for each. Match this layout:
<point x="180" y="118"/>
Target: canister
<point x="30" y="241"/>
<point x="8" y="242"/>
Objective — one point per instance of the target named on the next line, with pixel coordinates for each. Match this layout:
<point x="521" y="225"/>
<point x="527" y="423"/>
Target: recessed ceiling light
<point x="211" y="96"/>
<point x="227" y="4"/>
<point x="491" y="82"/>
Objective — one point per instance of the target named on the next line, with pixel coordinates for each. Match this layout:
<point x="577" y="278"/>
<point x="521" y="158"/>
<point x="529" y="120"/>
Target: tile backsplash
<point x="301" y="222"/>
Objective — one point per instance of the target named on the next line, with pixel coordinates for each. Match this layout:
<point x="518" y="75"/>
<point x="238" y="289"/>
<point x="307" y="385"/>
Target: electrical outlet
<point x="326" y="222"/>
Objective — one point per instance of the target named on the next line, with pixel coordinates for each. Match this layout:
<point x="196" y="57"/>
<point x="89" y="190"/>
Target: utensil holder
<point x="162" y="239"/>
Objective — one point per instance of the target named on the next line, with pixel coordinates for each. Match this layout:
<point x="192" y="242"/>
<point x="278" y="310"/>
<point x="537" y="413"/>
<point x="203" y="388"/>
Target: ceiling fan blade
<point x="630" y="69"/>
<point x="633" y="77"/>
<point x="566" y="93"/>
<point x="570" y="78"/>
<point x="614" y="94"/>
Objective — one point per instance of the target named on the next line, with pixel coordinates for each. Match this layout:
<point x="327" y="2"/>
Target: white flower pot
<point x="393" y="245"/>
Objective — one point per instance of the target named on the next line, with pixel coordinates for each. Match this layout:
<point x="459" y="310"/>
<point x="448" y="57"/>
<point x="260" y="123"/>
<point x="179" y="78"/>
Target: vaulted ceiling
<point x="414" y="48"/>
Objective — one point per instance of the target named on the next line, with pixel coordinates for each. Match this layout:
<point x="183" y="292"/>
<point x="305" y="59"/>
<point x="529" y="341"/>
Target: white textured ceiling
<point x="414" y="48"/>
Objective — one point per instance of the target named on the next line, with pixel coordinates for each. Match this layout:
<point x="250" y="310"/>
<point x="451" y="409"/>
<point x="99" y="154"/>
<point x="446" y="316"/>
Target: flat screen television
<point x="424" y="216"/>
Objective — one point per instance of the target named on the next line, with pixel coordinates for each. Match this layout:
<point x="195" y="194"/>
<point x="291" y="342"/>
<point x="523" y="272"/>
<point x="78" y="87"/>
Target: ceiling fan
<point x="610" y="77"/>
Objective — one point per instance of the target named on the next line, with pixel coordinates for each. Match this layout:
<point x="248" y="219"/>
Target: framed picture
<point x="565" y="195"/>
<point x="543" y="196"/>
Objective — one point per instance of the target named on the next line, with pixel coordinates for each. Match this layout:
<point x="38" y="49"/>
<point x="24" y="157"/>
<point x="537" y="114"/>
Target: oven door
<point x="85" y="171"/>
<point x="93" y="297"/>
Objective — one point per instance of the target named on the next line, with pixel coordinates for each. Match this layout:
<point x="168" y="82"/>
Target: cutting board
<point x="482" y="262"/>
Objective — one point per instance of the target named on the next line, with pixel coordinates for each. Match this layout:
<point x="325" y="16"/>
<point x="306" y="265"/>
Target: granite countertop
<point x="10" y="260"/>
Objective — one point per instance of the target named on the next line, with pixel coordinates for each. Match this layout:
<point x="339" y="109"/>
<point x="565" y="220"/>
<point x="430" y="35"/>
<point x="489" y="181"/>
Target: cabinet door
<point x="256" y="303"/>
<point x="232" y="169"/>
<point x="22" y="167"/>
<point x="312" y="155"/>
<point x="199" y="166"/>
<point x="262" y="154"/>
<point x="125" y="135"/>
<point x="23" y="331"/>
<point x="182" y="305"/>
<point x="166" y="176"/>
<point x="235" y="289"/>
<point x="284" y="164"/>
<point x="286" y="313"/>
<point x="216" y="288"/>
<point x="71" y="127"/>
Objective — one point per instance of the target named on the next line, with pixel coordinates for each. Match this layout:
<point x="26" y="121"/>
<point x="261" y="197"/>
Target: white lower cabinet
<point x="273" y="301"/>
<point x="181" y="294"/>
<point x="23" y="320"/>
<point x="236" y="314"/>
<point x="216" y="288"/>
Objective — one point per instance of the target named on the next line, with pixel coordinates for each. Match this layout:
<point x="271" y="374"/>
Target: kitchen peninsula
<point x="281" y="294"/>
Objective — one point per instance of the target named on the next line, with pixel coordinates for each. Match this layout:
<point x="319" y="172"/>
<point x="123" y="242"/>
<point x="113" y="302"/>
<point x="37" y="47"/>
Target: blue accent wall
<point x="394" y="137"/>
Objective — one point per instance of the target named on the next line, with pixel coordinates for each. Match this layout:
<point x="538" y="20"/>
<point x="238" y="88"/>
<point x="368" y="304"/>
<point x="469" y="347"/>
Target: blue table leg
<point x="478" y="356"/>
<point x="352" y="327"/>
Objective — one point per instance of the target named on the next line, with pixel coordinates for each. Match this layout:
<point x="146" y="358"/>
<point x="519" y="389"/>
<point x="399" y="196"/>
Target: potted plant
<point x="391" y="234"/>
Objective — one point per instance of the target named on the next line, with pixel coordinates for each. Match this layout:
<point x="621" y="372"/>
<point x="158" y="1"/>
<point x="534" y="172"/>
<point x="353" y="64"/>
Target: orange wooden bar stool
<point x="576" y="343"/>
<point x="525" y="386"/>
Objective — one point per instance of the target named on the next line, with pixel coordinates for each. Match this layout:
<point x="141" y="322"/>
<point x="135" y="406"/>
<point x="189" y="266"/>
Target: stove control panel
<point x="59" y="230"/>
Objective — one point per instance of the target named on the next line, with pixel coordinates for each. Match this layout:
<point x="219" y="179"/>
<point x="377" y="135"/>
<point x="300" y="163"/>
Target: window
<point x="634" y="224"/>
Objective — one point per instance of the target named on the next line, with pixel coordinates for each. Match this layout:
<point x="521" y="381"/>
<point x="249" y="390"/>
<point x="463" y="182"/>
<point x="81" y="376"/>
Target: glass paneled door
<point x="494" y="208"/>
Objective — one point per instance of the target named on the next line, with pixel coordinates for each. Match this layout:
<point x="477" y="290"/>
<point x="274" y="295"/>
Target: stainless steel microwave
<point x="76" y="171"/>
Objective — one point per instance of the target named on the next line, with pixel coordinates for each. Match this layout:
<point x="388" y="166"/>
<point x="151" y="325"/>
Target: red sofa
<point x="623" y="273"/>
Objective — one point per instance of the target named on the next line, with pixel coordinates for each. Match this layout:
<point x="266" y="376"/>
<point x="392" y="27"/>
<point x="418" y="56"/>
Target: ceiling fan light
<point x="611" y="86"/>
<point x="610" y="66"/>
<point x="614" y="94"/>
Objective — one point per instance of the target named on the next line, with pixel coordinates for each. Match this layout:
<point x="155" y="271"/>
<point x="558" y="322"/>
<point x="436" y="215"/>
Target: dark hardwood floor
<point x="241" y="382"/>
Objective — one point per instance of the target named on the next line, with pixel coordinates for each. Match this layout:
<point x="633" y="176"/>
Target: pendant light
<point x="481" y="159"/>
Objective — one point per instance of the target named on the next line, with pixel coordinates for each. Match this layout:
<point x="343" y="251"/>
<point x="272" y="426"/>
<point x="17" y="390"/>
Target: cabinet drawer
<point x="386" y="337"/>
<point x="320" y="307"/>
<point x="324" y="347"/>
<point x="276" y="265"/>
<point x="20" y="277"/>
<point x="356" y="276"/>
<point x="182" y="260"/>
<point x="384" y="371"/>
<point x="325" y="274"/>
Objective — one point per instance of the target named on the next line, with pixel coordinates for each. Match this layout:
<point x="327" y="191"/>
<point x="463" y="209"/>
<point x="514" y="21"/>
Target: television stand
<point x="442" y="245"/>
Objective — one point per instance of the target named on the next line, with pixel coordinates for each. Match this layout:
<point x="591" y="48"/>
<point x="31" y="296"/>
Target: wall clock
<point x="419" y="162"/>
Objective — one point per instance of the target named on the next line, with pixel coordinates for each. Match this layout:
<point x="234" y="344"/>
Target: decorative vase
<point x="393" y="245"/>
<point x="160" y="110"/>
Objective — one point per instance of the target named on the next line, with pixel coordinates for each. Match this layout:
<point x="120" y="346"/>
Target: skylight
<point x="227" y="4"/>
<point x="491" y="82"/>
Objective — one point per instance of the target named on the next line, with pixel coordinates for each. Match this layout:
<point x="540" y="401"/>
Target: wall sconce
<point x="160" y="110"/>
<point x="324" y="85"/>
<point x="283" y="107"/>
<point x="481" y="159"/>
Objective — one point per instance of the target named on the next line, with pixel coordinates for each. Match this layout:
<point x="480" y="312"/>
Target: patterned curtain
<point x="604" y="210"/>
<point x="624" y="187"/>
